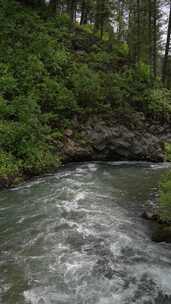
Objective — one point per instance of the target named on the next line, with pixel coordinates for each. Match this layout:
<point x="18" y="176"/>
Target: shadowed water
<point x="77" y="238"/>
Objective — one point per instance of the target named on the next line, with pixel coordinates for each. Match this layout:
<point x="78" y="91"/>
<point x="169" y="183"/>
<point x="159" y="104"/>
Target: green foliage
<point x="165" y="199"/>
<point x="56" y="98"/>
<point x="88" y="28"/>
<point x="86" y="86"/>
<point x="134" y="88"/>
<point x="7" y="81"/>
<point x="142" y="71"/>
<point x="100" y="58"/>
<point x="159" y="102"/>
<point x="39" y="159"/>
<point x="51" y="69"/>
<point x="124" y="50"/>
<point x="63" y="21"/>
<point x="168" y="151"/>
<point x="30" y="51"/>
<point x="9" y="168"/>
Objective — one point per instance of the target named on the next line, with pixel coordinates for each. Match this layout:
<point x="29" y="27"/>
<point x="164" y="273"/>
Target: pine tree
<point x="167" y="48"/>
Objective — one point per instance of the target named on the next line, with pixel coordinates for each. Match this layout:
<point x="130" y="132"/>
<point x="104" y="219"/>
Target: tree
<point x="120" y="18"/>
<point x="167" y="48"/>
<point x="101" y="15"/>
<point x="154" y="43"/>
<point x="33" y="3"/>
<point x="84" y="12"/>
<point x="71" y="9"/>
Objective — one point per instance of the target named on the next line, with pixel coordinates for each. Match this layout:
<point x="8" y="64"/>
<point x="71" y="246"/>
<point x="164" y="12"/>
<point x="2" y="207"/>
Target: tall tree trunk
<point x="53" y="4"/>
<point x="71" y="9"/>
<point x="165" y="63"/>
<point x="134" y="31"/>
<point x="101" y="16"/>
<point x="138" y="40"/>
<point x="120" y="19"/>
<point x="150" y="27"/>
<point x="84" y="12"/>
<point x="155" y="38"/>
<point x="97" y="15"/>
<point x="32" y="3"/>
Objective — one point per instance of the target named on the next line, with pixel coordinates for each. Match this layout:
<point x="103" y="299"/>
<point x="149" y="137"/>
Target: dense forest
<point x="67" y="61"/>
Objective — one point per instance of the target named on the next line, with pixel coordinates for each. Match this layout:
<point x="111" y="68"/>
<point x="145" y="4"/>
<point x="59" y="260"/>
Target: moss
<point x="165" y="199"/>
<point x="162" y="234"/>
<point x="168" y="151"/>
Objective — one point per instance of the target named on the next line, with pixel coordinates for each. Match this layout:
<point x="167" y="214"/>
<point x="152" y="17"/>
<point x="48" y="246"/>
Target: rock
<point x="68" y="132"/>
<point x="73" y="151"/>
<point x="150" y="215"/>
<point x="109" y="140"/>
<point x="162" y="234"/>
<point x="11" y="180"/>
<point x="41" y="301"/>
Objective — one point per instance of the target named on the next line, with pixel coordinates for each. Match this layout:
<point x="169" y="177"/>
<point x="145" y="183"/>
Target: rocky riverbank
<point x="108" y="140"/>
<point x="161" y="231"/>
<point x="99" y="139"/>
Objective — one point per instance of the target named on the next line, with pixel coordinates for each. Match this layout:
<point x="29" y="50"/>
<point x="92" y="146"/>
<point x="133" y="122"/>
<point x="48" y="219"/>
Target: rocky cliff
<point x="98" y="139"/>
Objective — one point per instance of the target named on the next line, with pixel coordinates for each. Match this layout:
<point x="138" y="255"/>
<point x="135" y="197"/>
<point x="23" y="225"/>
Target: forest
<point x="68" y="61"/>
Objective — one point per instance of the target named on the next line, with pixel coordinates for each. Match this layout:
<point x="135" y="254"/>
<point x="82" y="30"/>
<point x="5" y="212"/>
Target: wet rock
<point x="150" y="215"/>
<point x="74" y="151"/>
<point x="162" y="234"/>
<point x="68" y="132"/>
<point x="8" y="181"/>
<point x="163" y="298"/>
<point x="100" y="140"/>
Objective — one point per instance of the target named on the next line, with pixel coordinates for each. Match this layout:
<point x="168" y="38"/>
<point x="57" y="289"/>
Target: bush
<point x="165" y="199"/>
<point x="168" y="151"/>
<point x="87" y="87"/>
<point x="158" y="102"/>
<point x="56" y="97"/>
<point x="9" y="168"/>
<point x="39" y="159"/>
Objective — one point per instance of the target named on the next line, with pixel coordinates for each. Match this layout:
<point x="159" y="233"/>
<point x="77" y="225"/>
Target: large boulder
<point x="162" y="234"/>
<point x="100" y="140"/>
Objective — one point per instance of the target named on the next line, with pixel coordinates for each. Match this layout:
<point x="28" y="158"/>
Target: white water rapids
<point x="77" y="237"/>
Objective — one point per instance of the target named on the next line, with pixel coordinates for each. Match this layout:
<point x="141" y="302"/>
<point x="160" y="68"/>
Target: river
<point x="77" y="237"/>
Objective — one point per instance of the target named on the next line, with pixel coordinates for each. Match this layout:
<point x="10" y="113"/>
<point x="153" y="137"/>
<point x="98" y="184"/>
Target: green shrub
<point x="9" y="168"/>
<point x="158" y="101"/>
<point x="168" y="151"/>
<point x="165" y="198"/>
<point x="56" y="98"/>
<point x="39" y="159"/>
<point x="7" y="82"/>
<point x="87" y="86"/>
<point x="142" y="72"/>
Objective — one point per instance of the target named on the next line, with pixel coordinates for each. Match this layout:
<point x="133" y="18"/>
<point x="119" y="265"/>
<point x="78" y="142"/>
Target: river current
<point x="77" y="237"/>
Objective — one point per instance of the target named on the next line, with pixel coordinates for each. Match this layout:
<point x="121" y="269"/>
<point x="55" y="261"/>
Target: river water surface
<point x="76" y="237"/>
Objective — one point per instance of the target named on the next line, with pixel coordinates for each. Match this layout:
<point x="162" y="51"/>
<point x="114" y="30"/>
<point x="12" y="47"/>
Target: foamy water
<point x="76" y="237"/>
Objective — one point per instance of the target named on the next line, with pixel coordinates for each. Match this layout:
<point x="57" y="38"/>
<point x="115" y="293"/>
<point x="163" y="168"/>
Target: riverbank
<point x="158" y="210"/>
<point x="104" y="138"/>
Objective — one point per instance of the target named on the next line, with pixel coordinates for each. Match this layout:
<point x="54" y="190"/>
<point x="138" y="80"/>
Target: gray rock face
<point x="102" y="141"/>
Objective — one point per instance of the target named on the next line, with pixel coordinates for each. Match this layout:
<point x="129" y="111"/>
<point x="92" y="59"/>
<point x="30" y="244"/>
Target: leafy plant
<point x="165" y="199"/>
